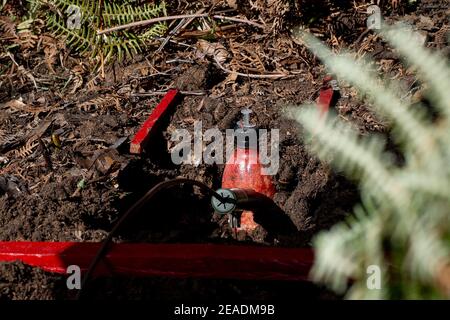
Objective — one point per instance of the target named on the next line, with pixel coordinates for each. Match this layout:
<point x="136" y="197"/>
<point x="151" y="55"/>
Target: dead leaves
<point x="2" y="135"/>
<point x="441" y="37"/>
<point x="245" y="62"/>
<point x="103" y="102"/>
<point x="77" y="83"/>
<point x="52" y="47"/>
<point x="77" y="74"/>
<point x="6" y="140"/>
<point x="17" y="105"/>
<point x="8" y="26"/>
<point x="246" y="59"/>
<point x="212" y="50"/>
<point x="27" y="40"/>
<point x="25" y="34"/>
<point x="272" y="11"/>
<point x="31" y="139"/>
<point x="26" y="150"/>
<point x="232" y="3"/>
<point x="107" y="160"/>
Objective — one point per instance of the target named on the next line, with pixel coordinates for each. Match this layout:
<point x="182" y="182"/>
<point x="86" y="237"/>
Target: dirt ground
<point x="45" y="89"/>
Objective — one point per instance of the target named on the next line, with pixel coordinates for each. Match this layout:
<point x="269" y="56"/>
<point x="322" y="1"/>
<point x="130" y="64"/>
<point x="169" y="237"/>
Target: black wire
<point x="136" y="208"/>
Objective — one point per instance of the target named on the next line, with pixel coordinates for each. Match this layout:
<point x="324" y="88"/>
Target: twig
<point x="22" y="69"/>
<point x="102" y="65"/>
<point x="253" y="76"/>
<point x="181" y="26"/>
<point x="161" y="93"/>
<point x="179" y="61"/>
<point x="200" y="33"/>
<point x="255" y="24"/>
<point x="183" y="16"/>
<point x="361" y="36"/>
<point x="150" y="21"/>
<point x="171" y="34"/>
<point x="176" y="42"/>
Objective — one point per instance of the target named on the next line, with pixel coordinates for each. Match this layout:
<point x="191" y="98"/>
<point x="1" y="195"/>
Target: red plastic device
<point x="167" y="260"/>
<point x="243" y="170"/>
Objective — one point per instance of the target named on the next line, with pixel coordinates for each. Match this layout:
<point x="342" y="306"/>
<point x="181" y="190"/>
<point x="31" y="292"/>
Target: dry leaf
<point x="16" y="105"/>
<point x="107" y="101"/>
<point x="213" y="50"/>
<point x="8" y="26"/>
<point x="232" y="3"/>
<point x="27" y="150"/>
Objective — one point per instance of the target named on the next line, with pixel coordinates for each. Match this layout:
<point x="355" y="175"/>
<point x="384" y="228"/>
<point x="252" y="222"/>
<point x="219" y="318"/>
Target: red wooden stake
<point x="326" y="96"/>
<point x="150" y="125"/>
<point x="324" y="101"/>
<point x="166" y="260"/>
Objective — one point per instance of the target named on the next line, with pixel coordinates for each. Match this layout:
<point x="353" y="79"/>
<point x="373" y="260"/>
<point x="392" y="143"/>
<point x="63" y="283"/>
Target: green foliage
<point x="403" y="222"/>
<point x="2" y="4"/>
<point x="94" y="17"/>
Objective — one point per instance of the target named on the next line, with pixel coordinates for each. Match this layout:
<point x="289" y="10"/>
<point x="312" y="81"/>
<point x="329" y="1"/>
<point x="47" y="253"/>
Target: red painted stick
<point x="149" y="127"/>
<point x="324" y="100"/>
<point x="326" y="96"/>
<point x="167" y="260"/>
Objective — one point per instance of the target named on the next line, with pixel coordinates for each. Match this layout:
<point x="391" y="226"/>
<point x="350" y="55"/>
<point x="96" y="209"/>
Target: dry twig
<point x="183" y="16"/>
<point x="253" y="76"/>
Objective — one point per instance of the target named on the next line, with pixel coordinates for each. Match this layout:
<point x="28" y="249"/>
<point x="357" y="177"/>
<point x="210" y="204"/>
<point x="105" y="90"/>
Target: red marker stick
<point x="167" y="260"/>
<point x="324" y="101"/>
<point x="327" y="96"/>
<point x="150" y="125"/>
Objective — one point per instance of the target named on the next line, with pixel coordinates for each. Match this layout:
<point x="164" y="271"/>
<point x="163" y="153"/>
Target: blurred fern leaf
<point x="402" y="225"/>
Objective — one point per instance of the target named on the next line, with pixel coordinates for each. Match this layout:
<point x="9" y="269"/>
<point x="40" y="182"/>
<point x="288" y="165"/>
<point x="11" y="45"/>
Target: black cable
<point x="136" y="208"/>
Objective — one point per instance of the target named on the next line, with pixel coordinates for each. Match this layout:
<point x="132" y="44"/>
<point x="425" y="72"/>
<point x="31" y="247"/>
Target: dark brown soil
<point x="40" y="200"/>
<point x="21" y="282"/>
<point x="310" y="193"/>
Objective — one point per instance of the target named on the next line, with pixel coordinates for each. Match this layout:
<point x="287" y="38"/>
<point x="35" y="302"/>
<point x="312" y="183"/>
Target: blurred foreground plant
<point x="402" y="226"/>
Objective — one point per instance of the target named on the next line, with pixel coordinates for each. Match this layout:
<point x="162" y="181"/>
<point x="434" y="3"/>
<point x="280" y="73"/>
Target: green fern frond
<point x="432" y="68"/>
<point x="432" y="185"/>
<point x="411" y="128"/>
<point x="123" y="14"/>
<point x="123" y="48"/>
<point x="359" y="157"/>
<point x="113" y="45"/>
<point x="82" y="40"/>
<point x="87" y="7"/>
<point x="151" y="33"/>
<point x="404" y="227"/>
<point x="425" y="254"/>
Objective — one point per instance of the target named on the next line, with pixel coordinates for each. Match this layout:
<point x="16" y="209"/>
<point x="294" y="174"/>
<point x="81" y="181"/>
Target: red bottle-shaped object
<point x="244" y="170"/>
